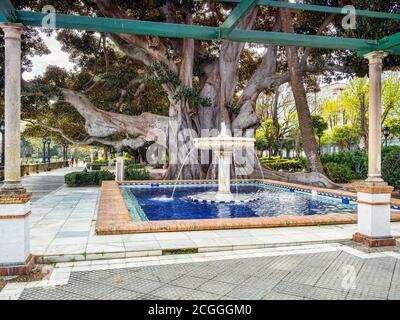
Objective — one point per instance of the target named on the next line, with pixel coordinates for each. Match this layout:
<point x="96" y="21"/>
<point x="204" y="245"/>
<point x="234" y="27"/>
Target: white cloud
<point x="56" y="57"/>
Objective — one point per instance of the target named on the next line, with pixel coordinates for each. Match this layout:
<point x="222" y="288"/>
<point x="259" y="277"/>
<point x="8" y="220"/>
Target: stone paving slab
<point x="63" y="225"/>
<point x="375" y="277"/>
<point x="63" y="229"/>
<point x="44" y="183"/>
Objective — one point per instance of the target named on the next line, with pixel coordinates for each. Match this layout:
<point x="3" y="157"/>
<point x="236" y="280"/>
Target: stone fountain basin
<point x="223" y="143"/>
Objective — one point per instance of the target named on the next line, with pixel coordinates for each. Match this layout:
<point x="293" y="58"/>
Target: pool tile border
<point x="114" y="218"/>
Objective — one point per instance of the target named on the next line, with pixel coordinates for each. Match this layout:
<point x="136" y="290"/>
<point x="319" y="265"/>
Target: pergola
<point x="373" y="197"/>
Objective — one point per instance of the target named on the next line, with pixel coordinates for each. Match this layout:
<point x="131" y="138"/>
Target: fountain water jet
<point x="223" y="146"/>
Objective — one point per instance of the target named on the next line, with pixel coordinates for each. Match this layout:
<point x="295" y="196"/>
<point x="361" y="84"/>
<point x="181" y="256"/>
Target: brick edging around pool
<point x="113" y="216"/>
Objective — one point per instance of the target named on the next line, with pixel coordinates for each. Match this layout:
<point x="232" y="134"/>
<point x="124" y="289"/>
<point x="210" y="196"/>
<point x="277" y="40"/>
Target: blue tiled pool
<point x="153" y="202"/>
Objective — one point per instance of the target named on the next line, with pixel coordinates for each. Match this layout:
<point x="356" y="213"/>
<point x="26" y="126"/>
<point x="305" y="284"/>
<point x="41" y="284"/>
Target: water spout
<point x="181" y="169"/>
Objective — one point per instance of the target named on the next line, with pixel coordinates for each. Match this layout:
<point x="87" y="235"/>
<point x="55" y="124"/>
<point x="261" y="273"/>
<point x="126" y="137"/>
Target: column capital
<point x="376" y="56"/>
<point x="12" y="30"/>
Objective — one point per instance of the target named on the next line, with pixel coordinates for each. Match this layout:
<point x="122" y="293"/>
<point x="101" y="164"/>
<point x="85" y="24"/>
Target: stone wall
<point x="28" y="169"/>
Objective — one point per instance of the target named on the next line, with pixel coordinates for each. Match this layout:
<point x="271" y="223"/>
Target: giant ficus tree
<point x="203" y="83"/>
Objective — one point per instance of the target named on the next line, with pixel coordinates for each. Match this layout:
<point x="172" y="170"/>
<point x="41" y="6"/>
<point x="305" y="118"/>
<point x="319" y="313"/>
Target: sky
<point x="56" y="57"/>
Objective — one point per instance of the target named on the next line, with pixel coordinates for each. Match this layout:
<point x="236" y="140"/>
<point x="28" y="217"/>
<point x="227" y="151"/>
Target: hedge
<point x="136" y="171"/>
<point x="84" y="178"/>
<point x="391" y="168"/>
<point x="337" y="172"/>
<point x="277" y="163"/>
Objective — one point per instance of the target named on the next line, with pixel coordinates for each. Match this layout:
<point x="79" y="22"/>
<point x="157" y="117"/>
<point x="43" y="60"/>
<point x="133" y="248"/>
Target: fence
<point x="28" y="169"/>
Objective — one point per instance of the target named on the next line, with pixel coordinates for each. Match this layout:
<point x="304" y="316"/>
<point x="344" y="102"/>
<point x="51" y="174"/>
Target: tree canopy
<point x="122" y="81"/>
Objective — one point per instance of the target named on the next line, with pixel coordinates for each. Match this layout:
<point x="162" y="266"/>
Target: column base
<point x="17" y="269"/>
<point x="374" y="242"/>
<point x="15" y="257"/>
<point x="375" y="182"/>
<point x="12" y="188"/>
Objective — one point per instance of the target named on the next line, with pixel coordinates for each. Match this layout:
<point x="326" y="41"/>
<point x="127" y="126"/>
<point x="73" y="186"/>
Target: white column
<point x="373" y="213"/>
<point x="12" y="110"/>
<point x="375" y="114"/>
<point x="15" y="257"/>
<point x="119" y="169"/>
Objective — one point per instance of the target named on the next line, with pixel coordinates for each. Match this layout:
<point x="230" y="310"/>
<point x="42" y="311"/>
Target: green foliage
<point x="162" y="75"/>
<point x="338" y="172"/>
<point x="232" y="108"/>
<point x="96" y="165"/>
<point x="193" y="95"/>
<point x="345" y="136"/>
<point x="356" y="161"/>
<point x="134" y="165"/>
<point x="84" y="178"/>
<point x="391" y="168"/>
<point x="266" y="133"/>
<point x="276" y="163"/>
<point x="105" y="176"/>
<point x="319" y="125"/>
<point x="394" y="126"/>
<point x="303" y="161"/>
<point x="261" y="143"/>
<point x="136" y="171"/>
<point x="388" y="149"/>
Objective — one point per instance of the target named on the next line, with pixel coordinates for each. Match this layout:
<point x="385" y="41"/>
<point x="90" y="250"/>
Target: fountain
<point x="223" y="146"/>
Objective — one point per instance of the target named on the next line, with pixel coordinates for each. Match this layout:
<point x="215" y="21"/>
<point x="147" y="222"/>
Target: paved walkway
<point x="43" y="183"/>
<point x="230" y="264"/>
<point x="63" y="229"/>
<point x="330" y="271"/>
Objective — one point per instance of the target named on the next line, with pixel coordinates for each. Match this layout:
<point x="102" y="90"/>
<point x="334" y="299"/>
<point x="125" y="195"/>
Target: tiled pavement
<point x="330" y="271"/>
<point x="63" y="229"/>
<point x="46" y="182"/>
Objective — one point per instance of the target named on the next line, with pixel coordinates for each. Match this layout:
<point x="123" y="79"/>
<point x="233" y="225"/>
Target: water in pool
<point x="155" y="203"/>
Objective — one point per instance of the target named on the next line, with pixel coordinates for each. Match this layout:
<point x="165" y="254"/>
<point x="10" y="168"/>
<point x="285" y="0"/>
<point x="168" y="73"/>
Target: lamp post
<point x="44" y="141"/>
<point x="3" y="135"/>
<point x="386" y="133"/>
<point x="48" y="150"/>
<point x="66" y="155"/>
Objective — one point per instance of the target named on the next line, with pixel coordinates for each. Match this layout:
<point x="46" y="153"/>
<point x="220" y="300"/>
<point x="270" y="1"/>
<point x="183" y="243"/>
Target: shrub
<point x="76" y="179"/>
<point x="105" y="176"/>
<point x="356" y="161"/>
<point x="96" y="165"/>
<point x="133" y="165"/>
<point x="84" y="178"/>
<point x="276" y="163"/>
<point x="337" y="172"/>
<point x="387" y="150"/>
<point x="391" y="168"/>
<point x="136" y="171"/>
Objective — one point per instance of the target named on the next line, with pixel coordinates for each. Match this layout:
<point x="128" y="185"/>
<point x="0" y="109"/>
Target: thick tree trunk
<point x="184" y="123"/>
<point x="310" y="145"/>
<point x="218" y="85"/>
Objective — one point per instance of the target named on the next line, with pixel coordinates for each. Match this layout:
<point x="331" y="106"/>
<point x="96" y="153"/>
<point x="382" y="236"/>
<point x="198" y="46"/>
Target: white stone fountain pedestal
<point x="223" y="146"/>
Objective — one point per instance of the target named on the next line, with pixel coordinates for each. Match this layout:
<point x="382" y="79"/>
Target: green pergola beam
<point x="171" y="30"/>
<point x="326" y="9"/>
<point x="302" y="40"/>
<point x="64" y="21"/>
<point x="7" y="10"/>
<point x="234" y="17"/>
<point x="3" y="19"/>
<point x="390" y="43"/>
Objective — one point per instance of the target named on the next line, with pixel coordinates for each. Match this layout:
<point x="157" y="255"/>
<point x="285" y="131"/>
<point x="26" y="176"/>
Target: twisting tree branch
<point x="128" y="142"/>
